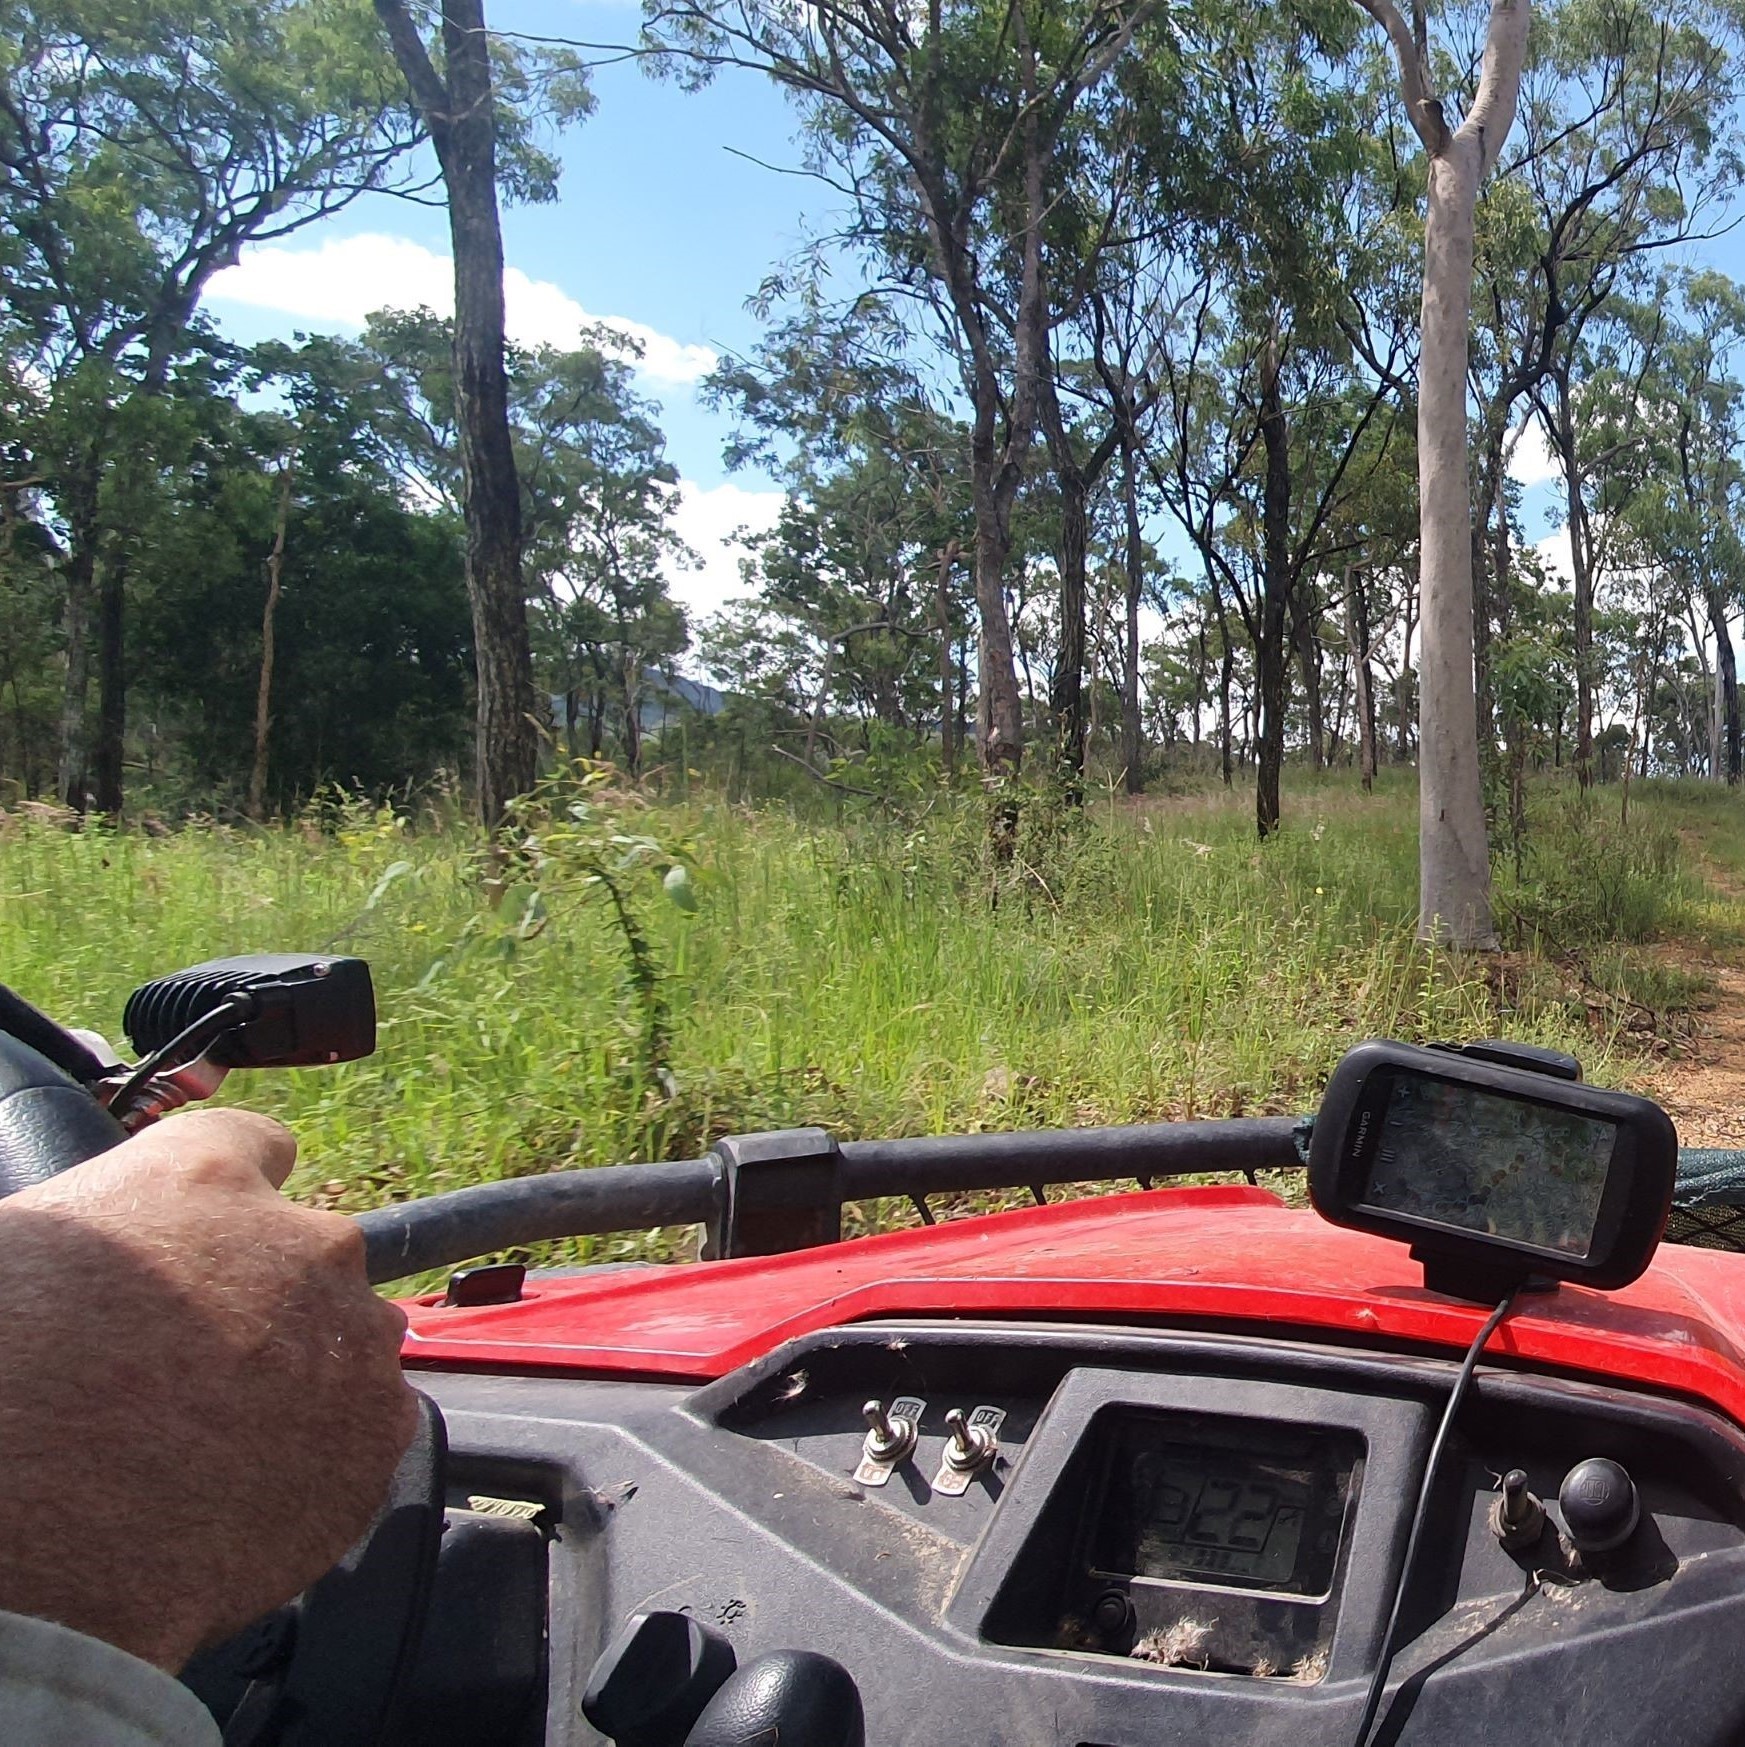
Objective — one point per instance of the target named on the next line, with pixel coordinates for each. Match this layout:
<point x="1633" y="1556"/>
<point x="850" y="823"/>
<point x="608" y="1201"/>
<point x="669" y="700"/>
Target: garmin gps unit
<point x="1495" y="1165"/>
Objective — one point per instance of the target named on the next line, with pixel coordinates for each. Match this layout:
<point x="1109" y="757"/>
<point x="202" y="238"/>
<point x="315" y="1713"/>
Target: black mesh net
<point x="1708" y="1205"/>
<point x="1713" y="1226"/>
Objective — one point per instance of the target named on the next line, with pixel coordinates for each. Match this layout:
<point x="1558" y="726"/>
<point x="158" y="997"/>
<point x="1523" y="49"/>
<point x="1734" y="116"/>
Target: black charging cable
<point x="1432" y="1473"/>
<point x="188" y="1043"/>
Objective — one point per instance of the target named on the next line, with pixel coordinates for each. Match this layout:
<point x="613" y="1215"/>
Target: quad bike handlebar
<point x="757" y="1194"/>
<point x="48" y="1122"/>
<point x="762" y="1194"/>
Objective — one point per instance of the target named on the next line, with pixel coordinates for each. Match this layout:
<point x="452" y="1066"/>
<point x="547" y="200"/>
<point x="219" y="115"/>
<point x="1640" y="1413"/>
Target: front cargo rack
<point x="764" y="1194"/>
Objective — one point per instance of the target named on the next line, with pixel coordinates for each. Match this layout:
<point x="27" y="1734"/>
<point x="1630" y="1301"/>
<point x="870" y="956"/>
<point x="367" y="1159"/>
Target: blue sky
<point x="660" y="225"/>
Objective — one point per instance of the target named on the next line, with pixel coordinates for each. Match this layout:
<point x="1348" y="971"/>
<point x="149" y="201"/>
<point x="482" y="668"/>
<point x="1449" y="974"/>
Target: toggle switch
<point x="889" y="1436"/>
<point x="972" y="1443"/>
<point x="969" y="1447"/>
<point x="890" y="1439"/>
<point x="1517" y="1517"/>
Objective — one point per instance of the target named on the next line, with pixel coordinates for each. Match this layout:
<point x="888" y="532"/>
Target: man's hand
<point x="201" y="1403"/>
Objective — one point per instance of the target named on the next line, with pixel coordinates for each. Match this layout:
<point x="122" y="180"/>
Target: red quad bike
<point x="1457" y="1455"/>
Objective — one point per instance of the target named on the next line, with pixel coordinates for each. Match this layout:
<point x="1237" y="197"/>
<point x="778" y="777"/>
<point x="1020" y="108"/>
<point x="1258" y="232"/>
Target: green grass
<point x="1149" y="962"/>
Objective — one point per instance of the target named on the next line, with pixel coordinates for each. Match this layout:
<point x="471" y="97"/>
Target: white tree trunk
<point x="1454" y="874"/>
<point x="1454" y="882"/>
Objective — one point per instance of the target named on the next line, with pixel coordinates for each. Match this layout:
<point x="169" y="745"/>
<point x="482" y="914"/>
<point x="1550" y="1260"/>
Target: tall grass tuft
<point x="1149" y="961"/>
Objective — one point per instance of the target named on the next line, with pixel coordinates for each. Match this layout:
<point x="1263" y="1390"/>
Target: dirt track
<point x="1705" y="1091"/>
<point x="1703" y="1088"/>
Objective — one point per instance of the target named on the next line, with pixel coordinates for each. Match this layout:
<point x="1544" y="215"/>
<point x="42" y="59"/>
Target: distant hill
<point x="666" y="694"/>
<point x="702" y="698"/>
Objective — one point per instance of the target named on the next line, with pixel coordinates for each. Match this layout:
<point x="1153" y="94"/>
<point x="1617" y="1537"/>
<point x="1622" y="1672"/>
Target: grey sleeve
<point x="59" y="1688"/>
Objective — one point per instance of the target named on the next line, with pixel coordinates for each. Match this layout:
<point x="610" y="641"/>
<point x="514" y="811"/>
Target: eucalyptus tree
<point x="599" y="498"/>
<point x="371" y="634"/>
<point x="337" y="418"/>
<point x="1269" y="447"/>
<point x="596" y="503"/>
<point x="1361" y="606"/>
<point x="940" y="124"/>
<point x="479" y="107"/>
<point x="1684" y="518"/>
<point x="1199" y="454"/>
<point x="843" y="570"/>
<point x="142" y="147"/>
<point x="1128" y="181"/>
<point x="869" y="556"/>
<point x="1138" y="179"/>
<point x="1123" y="345"/>
<point x="1453" y="852"/>
<point x="1678" y="734"/>
<point x="1597" y="401"/>
<point x="1535" y="681"/>
<point x="29" y="559"/>
<point x="1282" y="347"/>
<point x="1632" y="153"/>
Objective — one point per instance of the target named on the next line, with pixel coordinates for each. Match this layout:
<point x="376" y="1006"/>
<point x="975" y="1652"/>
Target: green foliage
<point x="539" y="90"/>
<point x="572" y="838"/>
<point x="28" y="643"/>
<point x="853" y="974"/>
<point x="866" y="568"/>
<point x="1589" y="881"/>
<point x="597" y="505"/>
<point x="373" y="638"/>
<point x="1183" y="228"/>
<point x="142" y="146"/>
<point x="146" y="141"/>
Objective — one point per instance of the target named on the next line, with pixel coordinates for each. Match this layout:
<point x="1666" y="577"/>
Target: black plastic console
<point x="971" y="1614"/>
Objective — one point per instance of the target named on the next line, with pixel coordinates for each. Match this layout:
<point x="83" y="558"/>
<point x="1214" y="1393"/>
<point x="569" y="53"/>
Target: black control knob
<point x="1599" y="1505"/>
<point x="789" y="1698"/>
<point x="652" y="1682"/>
<point x="1113" y="1614"/>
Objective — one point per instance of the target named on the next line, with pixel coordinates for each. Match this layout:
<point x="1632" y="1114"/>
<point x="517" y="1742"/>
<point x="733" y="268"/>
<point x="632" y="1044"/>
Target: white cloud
<point x="1553" y="553"/>
<point x="1531" y="462"/>
<point x="342" y="281"/>
<point x="707" y="519"/>
<point x="1619" y="570"/>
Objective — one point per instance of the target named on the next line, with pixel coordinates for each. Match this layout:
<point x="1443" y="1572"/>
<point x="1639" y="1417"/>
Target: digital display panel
<point x="1228" y="1514"/>
<point x="1484" y="1163"/>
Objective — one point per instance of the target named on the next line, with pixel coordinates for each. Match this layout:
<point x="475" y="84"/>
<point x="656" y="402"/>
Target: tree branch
<point x="1499" y="86"/>
<point x="829" y="782"/>
<point x="1422" y="109"/>
<point x="429" y="92"/>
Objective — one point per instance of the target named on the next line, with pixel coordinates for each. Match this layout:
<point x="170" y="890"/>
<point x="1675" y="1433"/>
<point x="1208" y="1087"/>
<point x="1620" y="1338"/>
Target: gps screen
<point x="1510" y="1169"/>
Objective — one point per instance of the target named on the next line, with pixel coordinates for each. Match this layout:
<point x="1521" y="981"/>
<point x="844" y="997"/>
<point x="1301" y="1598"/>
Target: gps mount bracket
<point x="1476" y="1283"/>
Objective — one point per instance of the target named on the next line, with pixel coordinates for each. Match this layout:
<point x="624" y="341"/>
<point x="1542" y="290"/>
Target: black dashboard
<point x="1090" y="1537"/>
